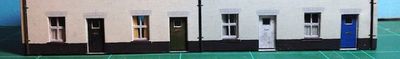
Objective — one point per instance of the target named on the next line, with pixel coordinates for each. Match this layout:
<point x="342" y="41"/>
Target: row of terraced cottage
<point x="145" y="26"/>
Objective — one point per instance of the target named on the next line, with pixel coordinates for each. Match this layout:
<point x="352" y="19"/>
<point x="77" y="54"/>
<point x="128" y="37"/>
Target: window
<point x="266" y="21"/>
<point x="177" y="23"/>
<point x="140" y="27"/>
<point x="95" y="25"/>
<point x="312" y="24"/>
<point x="349" y="20"/>
<point x="57" y="28"/>
<point x="230" y="26"/>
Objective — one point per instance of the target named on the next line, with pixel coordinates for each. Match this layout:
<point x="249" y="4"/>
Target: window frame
<point x="59" y="27"/>
<point x="310" y="32"/>
<point x="141" y="25"/>
<point x="227" y="34"/>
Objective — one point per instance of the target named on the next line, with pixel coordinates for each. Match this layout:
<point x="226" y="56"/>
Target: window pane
<point x="316" y="17"/>
<point x="233" y="30"/>
<point x="233" y="18"/>
<point x="348" y="19"/>
<point x="266" y="21"/>
<point x="307" y="30"/>
<point x="145" y="20"/>
<point x="135" y="20"/>
<point x="307" y="17"/>
<point x="139" y="32"/>
<point x="138" y="20"/>
<point x="141" y="20"/>
<point x="96" y="23"/>
<point x="53" y="21"/>
<point x="315" y="30"/>
<point x="225" y="18"/>
<point x="225" y="30"/>
<point x="53" y="33"/>
<point x="61" y="34"/>
<point x="142" y="33"/>
<point x="61" y="21"/>
<point x="145" y="33"/>
<point x="177" y="22"/>
<point x="136" y="33"/>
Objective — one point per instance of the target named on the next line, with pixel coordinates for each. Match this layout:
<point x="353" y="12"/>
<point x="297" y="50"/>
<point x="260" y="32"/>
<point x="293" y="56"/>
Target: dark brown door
<point x="178" y="32"/>
<point x="96" y="34"/>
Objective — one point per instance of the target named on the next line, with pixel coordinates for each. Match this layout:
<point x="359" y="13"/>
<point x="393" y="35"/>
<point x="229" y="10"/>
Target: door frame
<point x="356" y="30"/>
<point x="274" y="17"/>
<point x="87" y="35"/>
<point x="186" y="34"/>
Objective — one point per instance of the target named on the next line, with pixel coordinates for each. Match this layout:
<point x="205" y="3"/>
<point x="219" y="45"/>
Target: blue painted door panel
<point x="348" y="31"/>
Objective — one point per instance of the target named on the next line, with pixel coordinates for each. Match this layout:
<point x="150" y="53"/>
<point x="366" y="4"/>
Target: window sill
<point x="230" y="39"/>
<point x="56" y="27"/>
<point x="56" y="41"/>
<point x="226" y="24"/>
<point x="312" y="39"/>
<point x="140" y="40"/>
<point x="311" y="36"/>
<point x="140" y="26"/>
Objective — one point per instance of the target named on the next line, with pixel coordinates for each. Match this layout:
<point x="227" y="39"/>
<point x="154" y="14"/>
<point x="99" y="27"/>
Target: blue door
<point x="348" y="31"/>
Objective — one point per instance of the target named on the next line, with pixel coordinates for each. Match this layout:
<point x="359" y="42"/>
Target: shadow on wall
<point x="10" y="40"/>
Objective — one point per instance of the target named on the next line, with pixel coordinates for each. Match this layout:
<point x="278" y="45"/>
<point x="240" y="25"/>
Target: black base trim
<point x="230" y="45"/>
<point x="207" y="45"/>
<point x="137" y="47"/>
<point x="57" y="48"/>
<point x="374" y="44"/>
<point x="321" y="44"/>
<point x="365" y="44"/>
<point x="193" y="46"/>
<point x="308" y="44"/>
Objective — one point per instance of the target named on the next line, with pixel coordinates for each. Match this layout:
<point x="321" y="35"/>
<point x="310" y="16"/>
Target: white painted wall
<point x="290" y="18"/>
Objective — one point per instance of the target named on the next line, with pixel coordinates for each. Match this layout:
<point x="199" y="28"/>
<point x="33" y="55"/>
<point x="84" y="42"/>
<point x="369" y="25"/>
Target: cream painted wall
<point x="117" y="18"/>
<point x="290" y="18"/>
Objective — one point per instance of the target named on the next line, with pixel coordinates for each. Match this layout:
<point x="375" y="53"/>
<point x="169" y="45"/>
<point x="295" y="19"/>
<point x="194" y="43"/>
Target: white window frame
<point x="59" y="34"/>
<point x="140" y="27"/>
<point x="229" y="24"/>
<point x="313" y="33"/>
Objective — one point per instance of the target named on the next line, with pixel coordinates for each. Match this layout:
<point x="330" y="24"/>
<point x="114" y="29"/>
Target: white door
<point x="266" y="33"/>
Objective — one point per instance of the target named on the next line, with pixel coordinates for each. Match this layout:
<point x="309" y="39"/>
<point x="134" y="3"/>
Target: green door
<point x="178" y="32"/>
